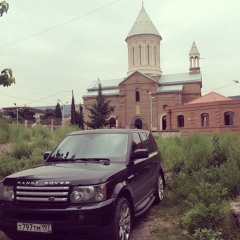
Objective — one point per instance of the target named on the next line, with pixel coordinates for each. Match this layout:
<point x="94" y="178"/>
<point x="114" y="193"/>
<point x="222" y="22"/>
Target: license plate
<point x="34" y="227"/>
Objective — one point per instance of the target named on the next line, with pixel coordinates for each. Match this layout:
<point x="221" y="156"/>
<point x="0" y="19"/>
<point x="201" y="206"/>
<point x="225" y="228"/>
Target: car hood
<point x="71" y="173"/>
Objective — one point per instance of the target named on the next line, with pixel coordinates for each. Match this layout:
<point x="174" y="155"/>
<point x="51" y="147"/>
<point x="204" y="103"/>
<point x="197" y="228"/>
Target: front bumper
<point x="95" y="221"/>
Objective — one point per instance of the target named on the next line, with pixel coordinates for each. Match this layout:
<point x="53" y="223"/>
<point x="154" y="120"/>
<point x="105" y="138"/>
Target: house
<point x="211" y="113"/>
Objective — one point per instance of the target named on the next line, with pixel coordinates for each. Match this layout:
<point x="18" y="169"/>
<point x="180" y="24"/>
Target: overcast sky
<point x="56" y="46"/>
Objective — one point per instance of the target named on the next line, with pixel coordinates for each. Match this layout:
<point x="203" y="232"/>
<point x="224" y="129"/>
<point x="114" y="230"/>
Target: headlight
<point x="88" y="194"/>
<point x="6" y="193"/>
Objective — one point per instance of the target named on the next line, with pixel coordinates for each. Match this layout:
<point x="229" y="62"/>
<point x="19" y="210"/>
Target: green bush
<point x="4" y="131"/>
<point x="181" y="186"/>
<point x="187" y="154"/>
<point x="21" y="150"/>
<point x="207" y="234"/>
<point x="172" y="153"/>
<point x="59" y="133"/>
<point x="8" y="165"/>
<point x="206" y="207"/>
<point x="4" y="136"/>
<point x="18" y="132"/>
<point x="229" y="175"/>
<point x="41" y="131"/>
<point x="42" y="144"/>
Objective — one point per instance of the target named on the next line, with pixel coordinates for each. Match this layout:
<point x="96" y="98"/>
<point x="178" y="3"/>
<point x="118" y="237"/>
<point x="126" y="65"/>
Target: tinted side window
<point x="152" y="142"/>
<point x="145" y="142"/>
<point x="137" y="144"/>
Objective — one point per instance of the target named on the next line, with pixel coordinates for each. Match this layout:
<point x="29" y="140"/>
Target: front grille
<point x="50" y="195"/>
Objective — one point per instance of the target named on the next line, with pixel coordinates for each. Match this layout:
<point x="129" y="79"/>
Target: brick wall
<point x="128" y="109"/>
<point x="193" y="120"/>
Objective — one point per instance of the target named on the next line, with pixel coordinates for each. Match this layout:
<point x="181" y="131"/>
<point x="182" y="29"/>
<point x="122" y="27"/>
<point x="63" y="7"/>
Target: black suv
<point x="92" y="185"/>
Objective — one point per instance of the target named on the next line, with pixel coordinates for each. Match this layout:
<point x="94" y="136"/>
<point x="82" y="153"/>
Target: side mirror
<point x="46" y="155"/>
<point x="140" y="153"/>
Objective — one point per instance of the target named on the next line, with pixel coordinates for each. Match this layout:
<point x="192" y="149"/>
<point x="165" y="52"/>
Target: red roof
<point x="210" y="97"/>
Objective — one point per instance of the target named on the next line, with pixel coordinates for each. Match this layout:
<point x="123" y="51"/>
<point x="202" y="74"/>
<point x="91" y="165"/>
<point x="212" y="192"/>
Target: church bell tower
<point x="143" y="43"/>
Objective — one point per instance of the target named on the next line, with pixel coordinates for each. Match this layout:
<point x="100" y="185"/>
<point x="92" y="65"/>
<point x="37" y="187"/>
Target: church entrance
<point x="112" y="122"/>
<point x="138" y="123"/>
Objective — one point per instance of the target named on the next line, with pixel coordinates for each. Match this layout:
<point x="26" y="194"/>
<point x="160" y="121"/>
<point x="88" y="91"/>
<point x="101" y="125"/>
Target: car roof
<point x="107" y="131"/>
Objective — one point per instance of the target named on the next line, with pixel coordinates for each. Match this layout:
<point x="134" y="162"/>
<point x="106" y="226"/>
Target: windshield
<point x="77" y="147"/>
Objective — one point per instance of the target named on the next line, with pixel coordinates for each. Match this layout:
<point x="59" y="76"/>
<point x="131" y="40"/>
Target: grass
<point x="27" y="146"/>
<point x="202" y="175"/>
<point x="193" y="165"/>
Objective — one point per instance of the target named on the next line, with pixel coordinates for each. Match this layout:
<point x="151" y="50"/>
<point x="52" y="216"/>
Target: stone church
<point x="141" y="97"/>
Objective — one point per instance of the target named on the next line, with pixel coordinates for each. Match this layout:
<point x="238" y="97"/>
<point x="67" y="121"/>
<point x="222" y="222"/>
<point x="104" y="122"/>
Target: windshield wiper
<point x="104" y="161"/>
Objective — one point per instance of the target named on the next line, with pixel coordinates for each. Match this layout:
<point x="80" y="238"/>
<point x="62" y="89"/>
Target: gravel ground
<point x="144" y="225"/>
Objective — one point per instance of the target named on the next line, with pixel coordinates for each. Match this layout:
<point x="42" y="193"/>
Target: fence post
<point x="52" y="125"/>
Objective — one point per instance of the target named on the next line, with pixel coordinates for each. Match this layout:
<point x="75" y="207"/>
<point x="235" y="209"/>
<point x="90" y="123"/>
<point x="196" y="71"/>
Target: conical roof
<point x="194" y="50"/>
<point x="143" y="25"/>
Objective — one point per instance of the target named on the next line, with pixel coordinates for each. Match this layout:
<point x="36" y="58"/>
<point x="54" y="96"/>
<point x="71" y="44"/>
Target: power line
<point x="59" y="25"/>
<point x="221" y="87"/>
<point x="39" y="100"/>
<point x="34" y="101"/>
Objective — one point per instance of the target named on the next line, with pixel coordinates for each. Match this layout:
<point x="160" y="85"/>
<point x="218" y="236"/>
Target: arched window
<point x="164" y="122"/>
<point x="191" y="62"/>
<point x="137" y="95"/>
<point x="180" y="120"/>
<point x="229" y="118"/>
<point x="205" y="119"/>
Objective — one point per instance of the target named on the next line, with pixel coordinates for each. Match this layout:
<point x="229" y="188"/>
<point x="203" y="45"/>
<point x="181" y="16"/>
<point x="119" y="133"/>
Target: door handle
<point x="147" y="167"/>
<point x="131" y="176"/>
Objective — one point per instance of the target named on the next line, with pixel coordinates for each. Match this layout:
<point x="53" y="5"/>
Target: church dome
<point x="143" y="25"/>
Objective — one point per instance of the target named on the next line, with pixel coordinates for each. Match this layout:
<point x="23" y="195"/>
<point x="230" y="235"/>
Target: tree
<point x="73" y="111"/>
<point x="23" y="113"/>
<point x="81" y="117"/>
<point x="4" y="6"/>
<point x="79" y="120"/>
<point x="99" y="111"/>
<point x="58" y="111"/>
<point x="49" y="113"/>
<point x="6" y="77"/>
<point x="26" y="113"/>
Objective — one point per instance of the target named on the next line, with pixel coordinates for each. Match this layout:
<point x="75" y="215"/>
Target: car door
<point x="155" y="158"/>
<point x="150" y="169"/>
<point x="137" y="174"/>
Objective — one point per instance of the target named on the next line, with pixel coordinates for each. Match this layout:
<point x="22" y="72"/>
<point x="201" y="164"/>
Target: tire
<point x="122" y="221"/>
<point x="160" y="189"/>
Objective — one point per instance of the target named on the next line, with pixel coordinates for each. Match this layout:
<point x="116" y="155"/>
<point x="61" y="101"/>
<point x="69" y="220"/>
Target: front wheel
<point x="122" y="220"/>
<point x="160" y="189"/>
